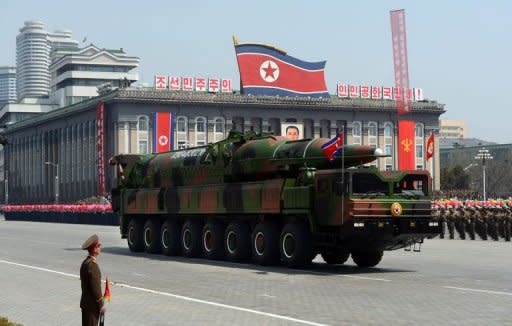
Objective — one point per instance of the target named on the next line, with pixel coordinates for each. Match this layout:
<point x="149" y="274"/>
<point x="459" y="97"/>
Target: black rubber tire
<point x="265" y="243"/>
<point x="191" y="238"/>
<point x="151" y="236"/>
<point x="295" y="245"/>
<point x="237" y="241"/>
<point x="212" y="240"/>
<point x="170" y="236"/>
<point x="367" y="258"/>
<point x="135" y="235"/>
<point x="335" y="256"/>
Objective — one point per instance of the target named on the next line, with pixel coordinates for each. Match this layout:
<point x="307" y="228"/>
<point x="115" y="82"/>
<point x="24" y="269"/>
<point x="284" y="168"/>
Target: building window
<point x="143" y="147"/>
<point x="356" y="132"/>
<point x="325" y="128"/>
<point x="126" y="134"/>
<point x="419" y="140"/>
<point x="372" y="138"/>
<point x="218" y="129"/>
<point x="274" y="126"/>
<point x="372" y="134"/>
<point x="142" y="135"/>
<point x="256" y="125"/>
<point x="200" y="131"/>
<point x="181" y="124"/>
<point x="182" y="132"/>
<point x="388" y="145"/>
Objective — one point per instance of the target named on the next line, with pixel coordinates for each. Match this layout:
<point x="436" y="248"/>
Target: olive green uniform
<point x="92" y="299"/>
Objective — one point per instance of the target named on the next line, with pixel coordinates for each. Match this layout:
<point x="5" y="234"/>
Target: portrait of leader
<point x="292" y="131"/>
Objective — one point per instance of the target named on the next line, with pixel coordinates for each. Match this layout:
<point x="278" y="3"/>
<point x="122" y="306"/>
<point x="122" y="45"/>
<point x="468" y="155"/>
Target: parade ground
<point x="450" y="282"/>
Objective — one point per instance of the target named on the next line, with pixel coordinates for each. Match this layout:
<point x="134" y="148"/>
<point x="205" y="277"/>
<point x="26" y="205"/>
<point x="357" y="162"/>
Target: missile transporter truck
<point x="270" y="199"/>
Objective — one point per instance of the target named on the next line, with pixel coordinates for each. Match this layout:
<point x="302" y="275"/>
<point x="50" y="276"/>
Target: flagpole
<point x="343" y="176"/>
<point x="432" y="162"/>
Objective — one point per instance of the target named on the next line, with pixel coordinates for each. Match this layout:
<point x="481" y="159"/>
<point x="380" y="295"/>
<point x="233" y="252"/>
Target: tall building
<point x="453" y="129"/>
<point x="77" y="73"/>
<point x="33" y="49"/>
<point x="7" y="85"/>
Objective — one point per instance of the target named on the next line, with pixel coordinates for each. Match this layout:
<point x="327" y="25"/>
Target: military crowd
<point x="489" y="219"/>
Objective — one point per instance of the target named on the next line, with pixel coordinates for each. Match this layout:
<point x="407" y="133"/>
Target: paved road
<point x="448" y="283"/>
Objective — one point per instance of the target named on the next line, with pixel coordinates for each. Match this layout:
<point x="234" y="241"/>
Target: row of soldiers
<point x="490" y="219"/>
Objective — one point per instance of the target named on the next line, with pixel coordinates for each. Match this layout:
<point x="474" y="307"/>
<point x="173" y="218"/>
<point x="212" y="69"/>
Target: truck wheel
<point x="295" y="245"/>
<point x="237" y="244"/>
<point x="170" y="238"/>
<point x="367" y="258"/>
<point x="152" y="236"/>
<point x="213" y="240"/>
<point x="135" y="234"/>
<point x="265" y="243"/>
<point x="191" y="238"/>
<point x="335" y="256"/>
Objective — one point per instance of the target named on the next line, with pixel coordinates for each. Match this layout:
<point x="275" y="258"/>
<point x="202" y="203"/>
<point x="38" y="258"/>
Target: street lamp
<point x="483" y="154"/>
<point x="56" y="165"/>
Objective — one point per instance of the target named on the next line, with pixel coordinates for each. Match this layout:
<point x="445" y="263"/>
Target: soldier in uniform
<point x="439" y="216"/>
<point x="460" y="222"/>
<point x="481" y="222"/>
<point x="492" y="222"/>
<point x="450" y="221"/>
<point x="91" y="302"/>
<point x="470" y="226"/>
<point x="508" y="222"/>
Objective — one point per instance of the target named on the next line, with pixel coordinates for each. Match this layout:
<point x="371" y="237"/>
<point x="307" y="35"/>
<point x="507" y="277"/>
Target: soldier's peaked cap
<point x="89" y="242"/>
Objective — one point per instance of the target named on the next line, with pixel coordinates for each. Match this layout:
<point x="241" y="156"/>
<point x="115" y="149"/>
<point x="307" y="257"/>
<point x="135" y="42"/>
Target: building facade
<point x="62" y="143"/>
<point x="453" y="129"/>
<point x="33" y="58"/>
<point x="7" y="85"/>
<point x="77" y="73"/>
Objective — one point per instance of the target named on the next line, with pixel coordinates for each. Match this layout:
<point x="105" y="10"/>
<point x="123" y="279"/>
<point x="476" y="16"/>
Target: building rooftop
<point x="134" y="95"/>
<point x="448" y="143"/>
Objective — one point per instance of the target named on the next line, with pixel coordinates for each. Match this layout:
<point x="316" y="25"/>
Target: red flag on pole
<point x="406" y="150"/>
<point x="332" y="148"/>
<point x="430" y="146"/>
<point x="106" y="295"/>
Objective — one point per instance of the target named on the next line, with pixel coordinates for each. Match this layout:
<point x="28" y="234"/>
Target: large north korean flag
<point x="163" y="131"/>
<point x="265" y="70"/>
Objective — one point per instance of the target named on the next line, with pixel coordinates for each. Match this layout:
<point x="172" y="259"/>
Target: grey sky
<point x="460" y="52"/>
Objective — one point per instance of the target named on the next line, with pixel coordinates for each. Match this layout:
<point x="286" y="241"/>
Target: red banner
<point x="100" y="146"/>
<point x="430" y="147"/>
<point x="400" y="60"/>
<point x="406" y="150"/>
<point x="163" y="132"/>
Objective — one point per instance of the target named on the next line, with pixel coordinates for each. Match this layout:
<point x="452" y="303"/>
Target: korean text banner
<point x="401" y="66"/>
<point x="265" y="70"/>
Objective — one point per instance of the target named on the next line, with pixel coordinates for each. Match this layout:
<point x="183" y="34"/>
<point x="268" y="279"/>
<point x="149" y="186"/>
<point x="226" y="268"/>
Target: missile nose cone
<point x="378" y="152"/>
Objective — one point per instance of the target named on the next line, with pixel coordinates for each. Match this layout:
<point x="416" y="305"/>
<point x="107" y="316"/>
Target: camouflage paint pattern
<point x="249" y="176"/>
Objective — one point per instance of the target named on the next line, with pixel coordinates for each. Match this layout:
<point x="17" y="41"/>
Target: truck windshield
<point x="368" y="184"/>
<point x="411" y="185"/>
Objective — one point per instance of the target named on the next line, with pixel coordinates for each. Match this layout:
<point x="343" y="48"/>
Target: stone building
<point x="56" y="153"/>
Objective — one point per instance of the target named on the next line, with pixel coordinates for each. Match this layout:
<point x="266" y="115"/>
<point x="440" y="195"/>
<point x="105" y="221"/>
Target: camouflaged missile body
<point x="271" y="199"/>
